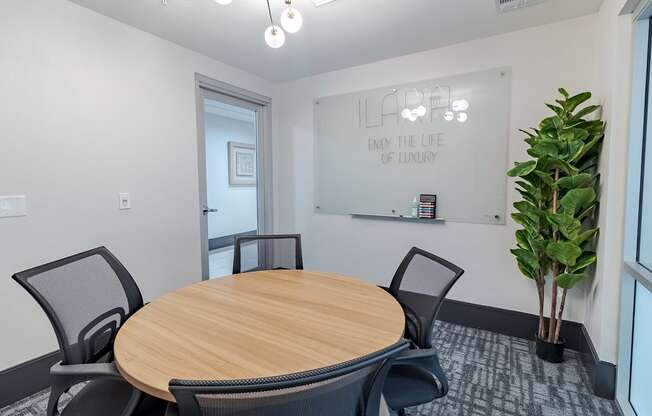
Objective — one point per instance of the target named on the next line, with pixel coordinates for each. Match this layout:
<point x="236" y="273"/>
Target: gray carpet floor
<point x="490" y="375"/>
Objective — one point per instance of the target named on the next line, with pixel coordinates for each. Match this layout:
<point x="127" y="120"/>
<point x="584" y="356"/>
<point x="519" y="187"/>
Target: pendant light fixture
<point x="274" y="35"/>
<point x="291" y="18"/>
<point x="291" y="21"/>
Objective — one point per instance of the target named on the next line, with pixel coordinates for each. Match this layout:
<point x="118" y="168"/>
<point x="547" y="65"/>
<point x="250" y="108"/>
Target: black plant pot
<point x="549" y="351"/>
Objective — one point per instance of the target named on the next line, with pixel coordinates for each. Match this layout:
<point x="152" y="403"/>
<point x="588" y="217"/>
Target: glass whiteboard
<point x="376" y="150"/>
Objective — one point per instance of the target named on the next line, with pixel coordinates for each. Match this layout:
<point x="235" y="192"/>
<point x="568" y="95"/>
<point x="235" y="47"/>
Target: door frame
<point x="262" y="105"/>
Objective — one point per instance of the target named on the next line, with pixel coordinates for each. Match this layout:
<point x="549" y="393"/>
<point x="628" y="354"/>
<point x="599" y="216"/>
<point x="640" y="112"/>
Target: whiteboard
<point x="370" y="160"/>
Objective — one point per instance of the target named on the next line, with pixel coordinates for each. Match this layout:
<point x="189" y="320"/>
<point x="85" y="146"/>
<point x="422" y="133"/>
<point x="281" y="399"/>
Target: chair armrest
<point x="91" y="371"/>
<point x="408" y="356"/>
<point x="66" y="376"/>
<point x="428" y="360"/>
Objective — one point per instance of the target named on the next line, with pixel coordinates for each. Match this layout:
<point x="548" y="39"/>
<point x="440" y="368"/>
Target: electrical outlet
<point x="125" y="201"/>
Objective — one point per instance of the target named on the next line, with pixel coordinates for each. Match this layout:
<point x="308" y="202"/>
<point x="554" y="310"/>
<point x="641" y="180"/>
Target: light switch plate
<point x="125" y="201"/>
<point x="13" y="206"/>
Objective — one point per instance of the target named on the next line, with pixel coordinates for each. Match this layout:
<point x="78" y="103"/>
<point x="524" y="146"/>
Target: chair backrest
<point x="281" y="251"/>
<point x="353" y="388"/>
<point x="420" y="285"/>
<point x="87" y="297"/>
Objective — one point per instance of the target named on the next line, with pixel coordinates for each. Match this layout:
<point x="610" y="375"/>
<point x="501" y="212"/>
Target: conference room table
<point x="255" y="325"/>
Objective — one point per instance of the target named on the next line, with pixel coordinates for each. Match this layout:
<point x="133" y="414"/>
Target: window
<point x="635" y="348"/>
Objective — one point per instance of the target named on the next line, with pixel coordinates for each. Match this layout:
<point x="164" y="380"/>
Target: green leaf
<point x="527" y="272"/>
<point x="558" y="110"/>
<point x="575" y="150"/>
<point x="568" y="225"/>
<point x="523" y="169"/>
<point x="585" y="236"/>
<point x="545" y="177"/>
<point x="573" y="102"/>
<point x="557" y="122"/>
<point x="584" y="214"/>
<point x="524" y="220"/>
<point x="576" y="181"/>
<point x="522" y="240"/>
<point x="563" y="92"/>
<point x="577" y="199"/>
<point x="537" y="244"/>
<point x="585" y="112"/>
<point x="584" y="261"/>
<point x="569" y="280"/>
<point x="564" y="166"/>
<point x="526" y="257"/>
<point x="564" y="252"/>
<point x="530" y="135"/>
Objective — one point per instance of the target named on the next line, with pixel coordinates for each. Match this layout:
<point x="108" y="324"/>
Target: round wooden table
<point x="255" y="325"/>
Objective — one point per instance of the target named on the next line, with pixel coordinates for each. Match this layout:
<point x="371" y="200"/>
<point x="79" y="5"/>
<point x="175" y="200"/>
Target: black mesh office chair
<point x="420" y="285"/>
<point x="281" y="251"/>
<point x="87" y="297"/>
<point x="350" y="389"/>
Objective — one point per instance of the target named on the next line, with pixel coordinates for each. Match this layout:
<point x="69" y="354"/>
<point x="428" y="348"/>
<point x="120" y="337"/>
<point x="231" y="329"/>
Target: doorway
<point x="233" y="192"/>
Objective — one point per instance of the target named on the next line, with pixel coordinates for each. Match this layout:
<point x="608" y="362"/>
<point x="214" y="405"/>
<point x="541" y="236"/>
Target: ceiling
<point x="338" y="35"/>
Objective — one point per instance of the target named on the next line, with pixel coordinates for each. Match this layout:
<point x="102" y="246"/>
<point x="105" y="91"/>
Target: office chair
<point x="87" y="298"/>
<point x="353" y="388"/>
<point x="282" y="251"/>
<point x="420" y="285"/>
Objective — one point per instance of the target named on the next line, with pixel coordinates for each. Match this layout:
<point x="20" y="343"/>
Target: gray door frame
<point x="262" y="105"/>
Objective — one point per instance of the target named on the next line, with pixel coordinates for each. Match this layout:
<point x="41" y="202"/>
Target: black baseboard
<point x="523" y="325"/>
<point x="603" y="374"/>
<point x="27" y="378"/>
<point x="227" y="240"/>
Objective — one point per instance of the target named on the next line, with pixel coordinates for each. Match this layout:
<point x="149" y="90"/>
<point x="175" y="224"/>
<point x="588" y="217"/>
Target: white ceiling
<point x="338" y="35"/>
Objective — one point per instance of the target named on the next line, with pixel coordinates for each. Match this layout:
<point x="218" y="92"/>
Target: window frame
<point x="633" y="270"/>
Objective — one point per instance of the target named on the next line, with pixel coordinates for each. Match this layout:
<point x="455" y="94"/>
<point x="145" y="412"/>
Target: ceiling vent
<point x="322" y="2"/>
<point x="505" y="6"/>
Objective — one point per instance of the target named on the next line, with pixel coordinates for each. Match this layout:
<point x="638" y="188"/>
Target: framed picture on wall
<point x="242" y="164"/>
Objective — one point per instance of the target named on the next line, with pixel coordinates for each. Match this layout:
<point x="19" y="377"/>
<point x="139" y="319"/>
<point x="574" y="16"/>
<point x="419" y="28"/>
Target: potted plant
<point x="558" y="209"/>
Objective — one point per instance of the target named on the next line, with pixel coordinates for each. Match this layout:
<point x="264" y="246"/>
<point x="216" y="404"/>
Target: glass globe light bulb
<point x="462" y="117"/>
<point x="421" y="111"/>
<point x="275" y="37"/>
<point x="449" y="115"/>
<point x="406" y="113"/>
<point x="291" y="20"/>
<point x="223" y="2"/>
<point x="460" y="105"/>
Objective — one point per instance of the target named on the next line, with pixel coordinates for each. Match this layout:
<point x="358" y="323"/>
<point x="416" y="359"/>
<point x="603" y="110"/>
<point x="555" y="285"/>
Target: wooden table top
<point x="255" y="325"/>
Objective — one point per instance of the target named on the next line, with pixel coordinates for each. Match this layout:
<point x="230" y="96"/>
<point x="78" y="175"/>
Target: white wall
<point x="237" y="205"/>
<point x="90" y="108"/>
<point x="613" y="82"/>
<point x="542" y="60"/>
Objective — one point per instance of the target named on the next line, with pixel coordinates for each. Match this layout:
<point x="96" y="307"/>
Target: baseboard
<point x="505" y="321"/>
<point x="603" y="374"/>
<point x="523" y="325"/>
<point x="27" y="378"/>
<point x="226" y="241"/>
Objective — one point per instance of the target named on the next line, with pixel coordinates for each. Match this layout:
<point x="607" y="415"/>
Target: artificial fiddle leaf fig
<point x="558" y="191"/>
